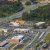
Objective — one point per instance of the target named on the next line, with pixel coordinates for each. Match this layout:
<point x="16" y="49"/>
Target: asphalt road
<point x="19" y="14"/>
<point x="37" y="38"/>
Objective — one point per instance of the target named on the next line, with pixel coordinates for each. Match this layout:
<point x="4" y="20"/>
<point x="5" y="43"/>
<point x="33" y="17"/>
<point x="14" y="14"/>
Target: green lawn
<point x="11" y="46"/>
<point x="47" y="37"/>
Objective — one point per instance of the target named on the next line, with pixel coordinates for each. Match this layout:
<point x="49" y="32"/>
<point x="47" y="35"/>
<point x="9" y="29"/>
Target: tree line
<point x="39" y="14"/>
<point x="8" y="8"/>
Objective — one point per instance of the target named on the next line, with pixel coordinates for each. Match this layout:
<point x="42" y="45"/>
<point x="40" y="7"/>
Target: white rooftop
<point x="14" y="24"/>
<point x="2" y="29"/>
<point x="17" y="37"/>
<point x="22" y="29"/>
<point x="39" y="23"/>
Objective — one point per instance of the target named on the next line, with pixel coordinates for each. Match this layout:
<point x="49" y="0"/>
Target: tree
<point x="25" y="16"/>
<point x="8" y="8"/>
<point x="33" y="0"/>
<point x="28" y="3"/>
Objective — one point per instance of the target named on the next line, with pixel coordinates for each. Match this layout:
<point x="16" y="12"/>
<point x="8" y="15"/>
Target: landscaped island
<point x="47" y="37"/>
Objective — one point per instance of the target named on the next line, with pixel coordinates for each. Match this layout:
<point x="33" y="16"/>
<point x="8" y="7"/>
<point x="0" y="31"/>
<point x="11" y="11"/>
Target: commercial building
<point x="16" y="39"/>
<point x="14" y="24"/>
<point x="20" y="21"/>
<point x="23" y="30"/>
<point x="40" y="25"/>
<point x="3" y="44"/>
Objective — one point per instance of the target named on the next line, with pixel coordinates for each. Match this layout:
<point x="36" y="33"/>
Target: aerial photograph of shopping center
<point x="24" y="24"/>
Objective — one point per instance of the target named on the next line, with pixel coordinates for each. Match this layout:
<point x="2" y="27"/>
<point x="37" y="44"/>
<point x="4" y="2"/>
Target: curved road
<point x="19" y="14"/>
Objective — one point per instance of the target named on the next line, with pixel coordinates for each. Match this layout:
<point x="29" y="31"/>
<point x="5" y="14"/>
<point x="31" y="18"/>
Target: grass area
<point x="19" y="49"/>
<point x="47" y="37"/>
<point x="11" y="46"/>
<point x="33" y="36"/>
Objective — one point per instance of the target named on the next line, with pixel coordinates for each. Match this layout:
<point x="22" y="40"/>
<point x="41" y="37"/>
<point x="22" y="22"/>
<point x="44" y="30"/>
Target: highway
<point x="19" y="14"/>
<point x="37" y="38"/>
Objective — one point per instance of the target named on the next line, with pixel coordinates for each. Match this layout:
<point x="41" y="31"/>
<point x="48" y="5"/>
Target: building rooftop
<point x="18" y="37"/>
<point x="2" y="44"/>
<point x="39" y="23"/>
<point x="2" y="29"/>
<point x="14" y="24"/>
<point x="21" y="29"/>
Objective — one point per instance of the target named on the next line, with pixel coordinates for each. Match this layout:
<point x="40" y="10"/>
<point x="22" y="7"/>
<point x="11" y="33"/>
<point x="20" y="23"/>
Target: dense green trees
<point x="33" y="0"/>
<point x="47" y="38"/>
<point x="28" y="3"/>
<point x="8" y="8"/>
<point x="39" y="14"/>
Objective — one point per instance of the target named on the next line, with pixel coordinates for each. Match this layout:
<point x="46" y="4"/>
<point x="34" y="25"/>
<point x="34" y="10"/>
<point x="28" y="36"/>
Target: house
<point x="2" y="44"/>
